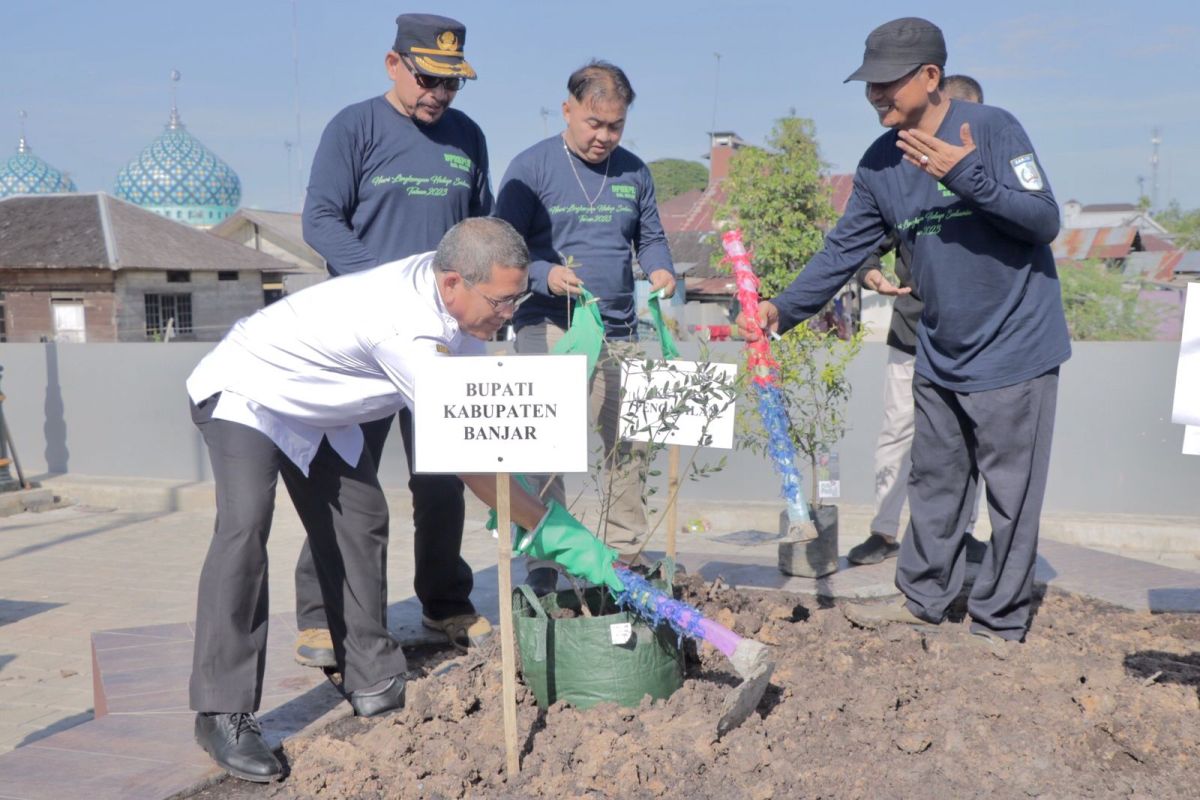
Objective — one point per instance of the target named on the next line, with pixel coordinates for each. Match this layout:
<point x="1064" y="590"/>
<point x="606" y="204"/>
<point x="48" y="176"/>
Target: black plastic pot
<point x="811" y="558"/>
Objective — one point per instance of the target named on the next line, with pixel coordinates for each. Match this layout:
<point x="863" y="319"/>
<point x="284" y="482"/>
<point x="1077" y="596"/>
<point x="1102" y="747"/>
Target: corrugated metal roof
<point x="1156" y="266"/>
<point x="1077" y="244"/>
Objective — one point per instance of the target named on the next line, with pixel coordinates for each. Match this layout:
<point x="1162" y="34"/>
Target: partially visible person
<point x="893" y="448"/>
<point x="586" y="206"/>
<point x="391" y="175"/>
<point x="961" y="185"/>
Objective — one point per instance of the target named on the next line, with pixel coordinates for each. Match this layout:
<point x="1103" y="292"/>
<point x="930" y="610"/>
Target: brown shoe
<point x="314" y="648"/>
<point x="876" y="616"/>
<point x="992" y="642"/>
<point x="463" y="630"/>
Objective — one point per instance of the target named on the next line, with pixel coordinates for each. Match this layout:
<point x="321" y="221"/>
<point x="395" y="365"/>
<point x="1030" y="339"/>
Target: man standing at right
<point x="893" y="448"/>
<point x="961" y="186"/>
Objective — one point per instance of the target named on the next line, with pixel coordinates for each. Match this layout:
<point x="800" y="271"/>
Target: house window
<point x="227" y="275"/>
<point x="272" y="285"/>
<point x="179" y="276"/>
<point x="69" y="324"/>
<point x="162" y="308"/>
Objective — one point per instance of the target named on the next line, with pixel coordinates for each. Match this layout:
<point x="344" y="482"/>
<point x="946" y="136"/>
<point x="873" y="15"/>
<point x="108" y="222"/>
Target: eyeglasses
<point x="429" y="82"/>
<point x="504" y="303"/>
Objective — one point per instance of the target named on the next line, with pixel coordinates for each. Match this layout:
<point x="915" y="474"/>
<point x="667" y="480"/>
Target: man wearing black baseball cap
<point x="960" y="185"/>
<point x="391" y="175"/>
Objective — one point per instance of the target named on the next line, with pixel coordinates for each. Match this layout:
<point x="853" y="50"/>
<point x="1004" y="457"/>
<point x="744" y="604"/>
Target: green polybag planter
<point x="575" y="659"/>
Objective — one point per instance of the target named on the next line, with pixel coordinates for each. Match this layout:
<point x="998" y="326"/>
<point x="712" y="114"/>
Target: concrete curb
<point x="1122" y="532"/>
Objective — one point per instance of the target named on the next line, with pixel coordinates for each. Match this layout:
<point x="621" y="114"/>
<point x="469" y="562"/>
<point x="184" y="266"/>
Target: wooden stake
<point x="673" y="495"/>
<point x="508" y="663"/>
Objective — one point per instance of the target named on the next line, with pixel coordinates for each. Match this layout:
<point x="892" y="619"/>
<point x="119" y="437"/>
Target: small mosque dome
<point x="179" y="178"/>
<point x="25" y="173"/>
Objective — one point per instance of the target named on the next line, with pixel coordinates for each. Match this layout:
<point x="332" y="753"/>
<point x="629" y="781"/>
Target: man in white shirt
<point x="283" y="394"/>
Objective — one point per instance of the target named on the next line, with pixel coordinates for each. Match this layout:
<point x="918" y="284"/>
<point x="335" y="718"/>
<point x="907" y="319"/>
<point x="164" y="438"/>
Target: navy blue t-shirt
<point x="384" y="187"/>
<point x="541" y="197"/>
<point x="980" y="253"/>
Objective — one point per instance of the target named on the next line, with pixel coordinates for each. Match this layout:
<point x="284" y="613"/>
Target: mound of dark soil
<point x="1098" y="703"/>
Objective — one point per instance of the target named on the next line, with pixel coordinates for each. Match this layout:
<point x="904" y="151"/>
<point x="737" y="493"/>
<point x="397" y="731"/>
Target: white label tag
<point x="620" y="632"/>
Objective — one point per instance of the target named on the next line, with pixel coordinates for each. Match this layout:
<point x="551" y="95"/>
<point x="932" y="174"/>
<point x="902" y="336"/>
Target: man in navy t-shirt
<point x="585" y="206"/>
<point x="391" y="175"/>
<point x="961" y="186"/>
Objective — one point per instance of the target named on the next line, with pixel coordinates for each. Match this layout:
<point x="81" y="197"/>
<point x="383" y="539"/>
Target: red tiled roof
<point x="693" y="211"/>
<point x="842" y="185"/>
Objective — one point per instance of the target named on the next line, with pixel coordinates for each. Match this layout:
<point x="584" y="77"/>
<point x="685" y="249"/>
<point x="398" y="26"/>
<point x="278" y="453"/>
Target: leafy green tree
<point x="816" y="391"/>
<point x="778" y="199"/>
<point x="1184" y="224"/>
<point x="674" y="176"/>
<point x="1100" y="306"/>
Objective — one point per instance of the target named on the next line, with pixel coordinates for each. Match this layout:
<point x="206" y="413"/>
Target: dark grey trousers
<point x="346" y="517"/>
<point x="442" y="580"/>
<point x="1002" y="435"/>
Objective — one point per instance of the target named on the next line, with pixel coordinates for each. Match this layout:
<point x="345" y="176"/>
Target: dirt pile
<point x="1098" y="703"/>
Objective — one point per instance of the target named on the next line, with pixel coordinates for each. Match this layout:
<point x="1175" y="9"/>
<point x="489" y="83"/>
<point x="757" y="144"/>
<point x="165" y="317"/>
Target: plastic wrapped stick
<point x="751" y="659"/>
<point x="764" y="373"/>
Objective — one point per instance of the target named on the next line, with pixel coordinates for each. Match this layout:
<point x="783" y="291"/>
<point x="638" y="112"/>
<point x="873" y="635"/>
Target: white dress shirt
<point x="317" y="363"/>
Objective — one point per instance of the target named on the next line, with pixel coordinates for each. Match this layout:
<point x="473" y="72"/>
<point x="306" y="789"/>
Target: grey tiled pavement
<point x="71" y="572"/>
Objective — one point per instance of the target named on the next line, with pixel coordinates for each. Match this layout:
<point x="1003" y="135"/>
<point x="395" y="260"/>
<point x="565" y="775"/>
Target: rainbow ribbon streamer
<point x="764" y="372"/>
<point x="656" y="607"/>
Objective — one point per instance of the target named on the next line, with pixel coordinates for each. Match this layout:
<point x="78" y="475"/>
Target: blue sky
<point x="1088" y="86"/>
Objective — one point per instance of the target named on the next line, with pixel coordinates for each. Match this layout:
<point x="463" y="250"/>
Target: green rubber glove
<point x="563" y="539"/>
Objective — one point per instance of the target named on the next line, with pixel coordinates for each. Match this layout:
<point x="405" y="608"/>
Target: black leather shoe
<point x="874" y="550"/>
<point x="379" y="698"/>
<point x="236" y="743"/>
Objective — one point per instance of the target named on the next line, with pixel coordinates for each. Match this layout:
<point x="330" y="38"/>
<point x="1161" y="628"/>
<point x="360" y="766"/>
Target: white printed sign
<point x="501" y="414"/>
<point x="1187" y="377"/>
<point x="1191" y="440"/>
<point x="650" y="399"/>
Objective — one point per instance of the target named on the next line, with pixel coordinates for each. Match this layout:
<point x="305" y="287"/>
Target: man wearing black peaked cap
<point x="391" y="175"/>
<point x="961" y="186"/>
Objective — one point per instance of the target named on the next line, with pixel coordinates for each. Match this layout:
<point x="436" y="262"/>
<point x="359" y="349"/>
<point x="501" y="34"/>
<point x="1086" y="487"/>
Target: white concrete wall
<point x="121" y="409"/>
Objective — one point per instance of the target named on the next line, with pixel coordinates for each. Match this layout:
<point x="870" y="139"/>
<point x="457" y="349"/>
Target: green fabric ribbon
<point x="586" y="333"/>
<point x="669" y="350"/>
<point x="563" y="539"/>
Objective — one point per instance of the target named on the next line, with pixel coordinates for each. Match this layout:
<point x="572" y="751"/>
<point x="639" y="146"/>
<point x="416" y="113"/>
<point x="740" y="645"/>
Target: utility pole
<point x="291" y="203"/>
<point x="716" y="95"/>
<point x="296" y="99"/>
<point x="1155" y="141"/>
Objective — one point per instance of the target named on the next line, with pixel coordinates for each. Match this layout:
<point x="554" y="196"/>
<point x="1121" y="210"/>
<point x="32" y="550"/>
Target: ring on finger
<point x="924" y="160"/>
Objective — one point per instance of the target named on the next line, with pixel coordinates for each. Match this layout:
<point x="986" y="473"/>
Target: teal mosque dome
<point x="179" y="178"/>
<point x="25" y="173"/>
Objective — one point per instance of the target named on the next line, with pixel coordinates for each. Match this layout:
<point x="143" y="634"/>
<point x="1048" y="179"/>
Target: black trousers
<point x="1002" y="435"/>
<point x="443" y="580"/>
<point x="346" y="517"/>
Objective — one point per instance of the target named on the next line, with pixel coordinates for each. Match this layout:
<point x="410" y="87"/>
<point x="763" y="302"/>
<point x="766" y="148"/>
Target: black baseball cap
<point x="896" y="48"/>
<point x="435" y="44"/>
